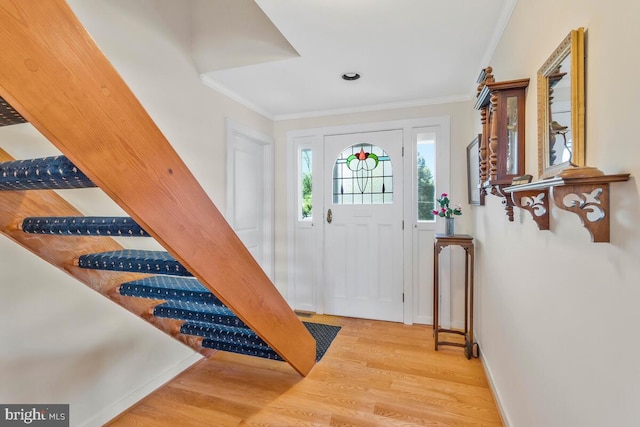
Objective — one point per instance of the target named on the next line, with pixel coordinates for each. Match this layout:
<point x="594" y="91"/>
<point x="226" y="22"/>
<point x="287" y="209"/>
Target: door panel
<point x="363" y="248"/>
<point x="248" y="202"/>
<point x="250" y="191"/>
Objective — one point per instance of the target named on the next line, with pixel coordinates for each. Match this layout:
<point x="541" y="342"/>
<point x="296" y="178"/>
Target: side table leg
<point x="436" y="323"/>
<point x="469" y="342"/>
<point x="471" y="275"/>
<point x="466" y="292"/>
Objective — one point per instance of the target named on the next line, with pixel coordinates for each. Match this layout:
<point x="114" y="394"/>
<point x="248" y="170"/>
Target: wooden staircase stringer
<point x="54" y="75"/>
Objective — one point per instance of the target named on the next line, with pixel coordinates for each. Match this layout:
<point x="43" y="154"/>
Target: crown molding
<point x="375" y="107"/>
<point x="213" y="84"/>
<point x="498" y="32"/>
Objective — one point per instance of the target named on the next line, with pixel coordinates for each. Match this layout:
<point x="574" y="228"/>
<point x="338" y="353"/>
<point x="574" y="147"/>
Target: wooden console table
<point x="466" y="242"/>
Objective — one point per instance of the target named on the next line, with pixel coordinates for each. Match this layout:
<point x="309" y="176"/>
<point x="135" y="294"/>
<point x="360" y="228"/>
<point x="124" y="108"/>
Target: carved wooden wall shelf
<point x="587" y="197"/>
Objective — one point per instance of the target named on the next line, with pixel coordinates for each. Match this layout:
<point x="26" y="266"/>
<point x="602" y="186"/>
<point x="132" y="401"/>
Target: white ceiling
<point x="409" y="52"/>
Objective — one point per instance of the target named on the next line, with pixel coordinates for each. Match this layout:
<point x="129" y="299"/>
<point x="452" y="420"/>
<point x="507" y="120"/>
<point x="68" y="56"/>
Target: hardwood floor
<point x="374" y="374"/>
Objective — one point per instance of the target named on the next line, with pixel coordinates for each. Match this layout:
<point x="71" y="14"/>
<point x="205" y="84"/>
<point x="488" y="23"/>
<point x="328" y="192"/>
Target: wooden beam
<point x="53" y="73"/>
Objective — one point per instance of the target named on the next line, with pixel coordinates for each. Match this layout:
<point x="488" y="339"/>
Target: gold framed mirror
<point x="561" y="108"/>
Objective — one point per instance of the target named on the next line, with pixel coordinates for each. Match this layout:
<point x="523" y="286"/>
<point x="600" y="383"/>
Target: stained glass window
<point x="362" y="175"/>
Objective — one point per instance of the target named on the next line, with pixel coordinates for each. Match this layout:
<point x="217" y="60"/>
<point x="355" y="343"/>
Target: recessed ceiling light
<point x="350" y="76"/>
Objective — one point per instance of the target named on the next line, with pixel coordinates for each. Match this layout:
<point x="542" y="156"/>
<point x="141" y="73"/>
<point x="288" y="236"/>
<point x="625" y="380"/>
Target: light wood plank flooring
<point x="374" y="374"/>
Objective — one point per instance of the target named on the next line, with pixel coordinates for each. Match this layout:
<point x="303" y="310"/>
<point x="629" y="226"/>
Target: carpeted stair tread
<point x="170" y="288"/>
<point x="83" y="226"/>
<point x="246" y="340"/>
<point x="191" y="311"/>
<point x="241" y="349"/>
<point x="134" y="260"/>
<point x="48" y="173"/>
<point x="223" y="333"/>
<point x="8" y="115"/>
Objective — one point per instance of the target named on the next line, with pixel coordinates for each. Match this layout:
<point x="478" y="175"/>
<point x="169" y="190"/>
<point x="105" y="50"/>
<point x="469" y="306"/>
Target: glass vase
<point x="449" y="227"/>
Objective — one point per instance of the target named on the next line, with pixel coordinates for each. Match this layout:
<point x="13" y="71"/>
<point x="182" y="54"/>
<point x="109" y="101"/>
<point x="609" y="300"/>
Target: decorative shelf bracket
<point x="587" y="197"/>
<point x="536" y="202"/>
<point x="590" y="203"/>
<point x="506" y="201"/>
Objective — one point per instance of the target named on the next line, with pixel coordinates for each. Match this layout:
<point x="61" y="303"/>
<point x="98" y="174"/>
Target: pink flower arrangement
<point x="445" y="211"/>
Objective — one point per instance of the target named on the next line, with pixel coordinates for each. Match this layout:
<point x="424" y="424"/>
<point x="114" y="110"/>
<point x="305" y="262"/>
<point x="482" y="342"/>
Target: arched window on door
<point x="363" y="175"/>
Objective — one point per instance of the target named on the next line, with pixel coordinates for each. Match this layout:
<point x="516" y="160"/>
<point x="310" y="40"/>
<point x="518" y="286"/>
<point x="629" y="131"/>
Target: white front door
<point x="363" y="205"/>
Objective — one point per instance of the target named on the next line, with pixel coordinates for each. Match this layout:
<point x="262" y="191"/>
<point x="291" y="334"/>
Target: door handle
<point x="329" y="216"/>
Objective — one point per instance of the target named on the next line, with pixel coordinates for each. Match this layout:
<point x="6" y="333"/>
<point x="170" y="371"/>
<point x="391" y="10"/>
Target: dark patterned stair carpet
<point x="222" y="333"/>
<point x="207" y="317"/>
<point x="135" y="261"/>
<point x="8" y="115"/>
<point x="170" y="288"/>
<point x="84" y="226"/>
<point x="209" y="313"/>
<point x="241" y="349"/>
<point x="324" y="336"/>
<point x="245" y="341"/>
<point x="48" y="173"/>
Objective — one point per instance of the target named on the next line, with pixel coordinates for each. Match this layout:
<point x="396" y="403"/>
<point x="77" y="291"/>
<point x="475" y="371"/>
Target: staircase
<point x="185" y="298"/>
<point x="205" y="290"/>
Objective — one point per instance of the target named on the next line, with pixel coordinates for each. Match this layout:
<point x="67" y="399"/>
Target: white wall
<point x="62" y="342"/>
<point x="557" y="314"/>
<point x="148" y="42"/>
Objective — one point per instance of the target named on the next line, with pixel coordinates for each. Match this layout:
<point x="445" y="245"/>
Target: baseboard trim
<point x="494" y="390"/>
<point x="115" y="409"/>
<point x="423" y="320"/>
